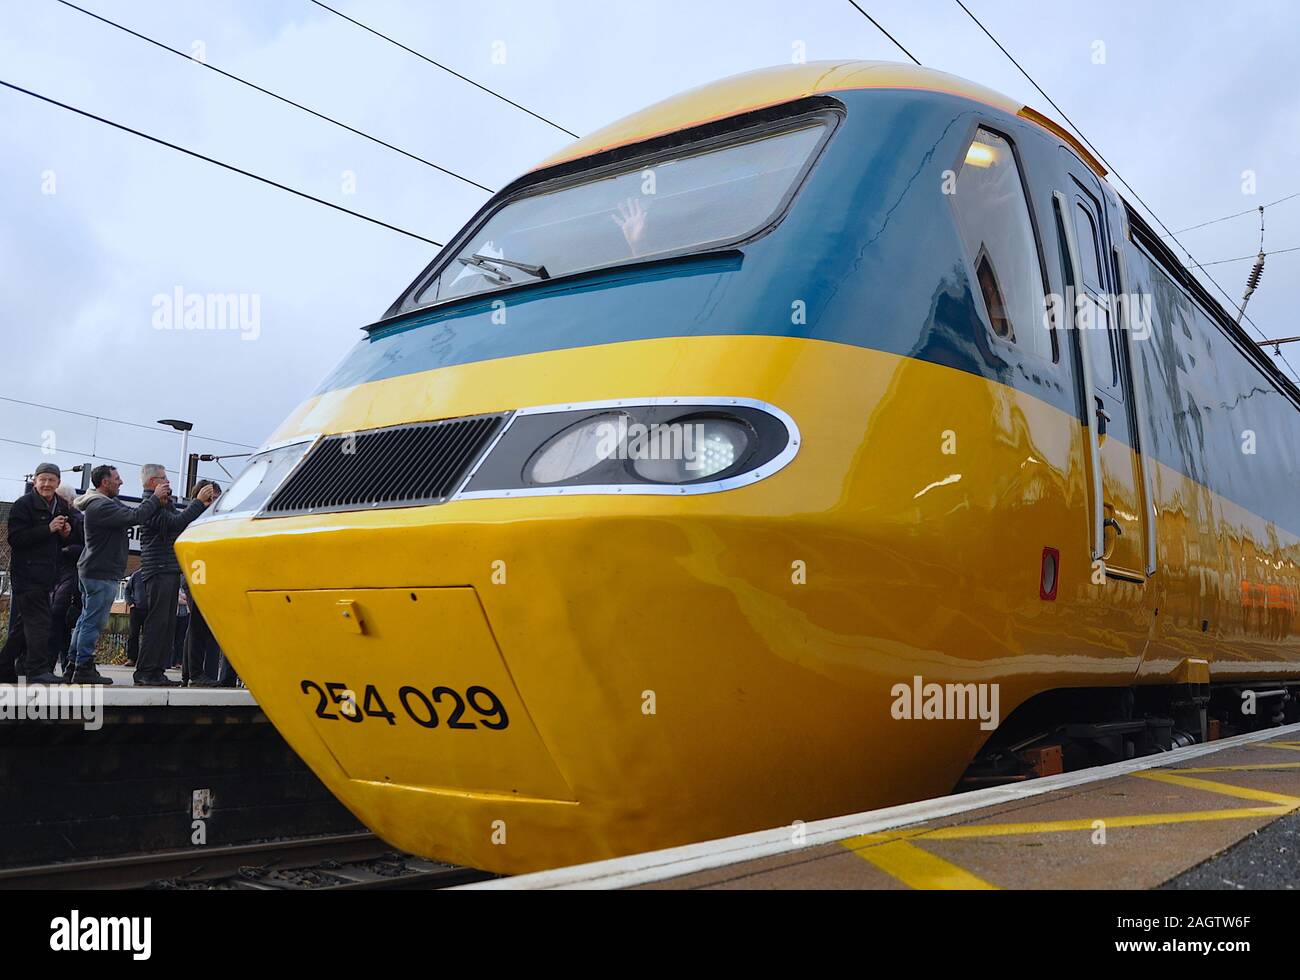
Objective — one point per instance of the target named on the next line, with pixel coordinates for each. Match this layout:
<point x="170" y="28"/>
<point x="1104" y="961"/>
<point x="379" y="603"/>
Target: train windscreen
<point x="668" y="206"/>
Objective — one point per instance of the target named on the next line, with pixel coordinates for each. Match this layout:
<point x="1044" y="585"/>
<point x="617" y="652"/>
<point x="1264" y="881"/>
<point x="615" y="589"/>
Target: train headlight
<point x="662" y="445"/>
<point x="259" y="479"/>
<point x="577" y="449"/>
<point x="693" y="449"/>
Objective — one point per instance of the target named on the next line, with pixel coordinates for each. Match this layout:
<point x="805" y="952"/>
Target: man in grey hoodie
<point x="103" y="561"/>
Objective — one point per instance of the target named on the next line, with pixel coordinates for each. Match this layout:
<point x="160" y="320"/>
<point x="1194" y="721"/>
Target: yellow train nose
<point x="570" y="681"/>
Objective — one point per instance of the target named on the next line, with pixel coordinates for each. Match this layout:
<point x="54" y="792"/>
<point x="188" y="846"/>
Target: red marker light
<point x="1051" y="574"/>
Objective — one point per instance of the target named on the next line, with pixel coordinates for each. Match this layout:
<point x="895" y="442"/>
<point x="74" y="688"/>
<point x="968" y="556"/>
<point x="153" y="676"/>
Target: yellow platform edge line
<point x="1212" y="786"/>
<point x="918" y="868"/>
<point x="975" y="831"/>
<point x="1255" y="767"/>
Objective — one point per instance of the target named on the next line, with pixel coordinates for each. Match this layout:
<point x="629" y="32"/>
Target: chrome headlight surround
<point x="763" y="440"/>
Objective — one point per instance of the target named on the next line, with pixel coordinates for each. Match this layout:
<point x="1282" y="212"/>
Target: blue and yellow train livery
<point x="939" y="410"/>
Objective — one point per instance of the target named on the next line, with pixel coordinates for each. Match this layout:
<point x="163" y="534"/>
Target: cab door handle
<point x="1103" y="416"/>
<point x="1111" y="522"/>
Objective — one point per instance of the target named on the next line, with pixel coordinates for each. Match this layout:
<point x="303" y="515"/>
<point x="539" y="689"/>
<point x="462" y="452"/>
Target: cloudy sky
<point x="96" y="224"/>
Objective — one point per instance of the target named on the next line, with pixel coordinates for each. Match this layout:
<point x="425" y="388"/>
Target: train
<point x="824" y="438"/>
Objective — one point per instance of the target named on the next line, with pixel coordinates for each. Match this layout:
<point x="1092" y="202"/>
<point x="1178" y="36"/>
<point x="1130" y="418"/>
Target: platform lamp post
<point x="184" y="429"/>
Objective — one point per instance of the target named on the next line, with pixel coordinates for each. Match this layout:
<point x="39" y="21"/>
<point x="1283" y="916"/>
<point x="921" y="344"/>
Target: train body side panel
<point x="1225" y="460"/>
<point x="770" y="623"/>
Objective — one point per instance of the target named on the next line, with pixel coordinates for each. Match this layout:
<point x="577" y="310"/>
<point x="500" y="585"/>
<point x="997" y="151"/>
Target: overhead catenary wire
<point x="873" y="20"/>
<point x="75" y="453"/>
<point x="1235" y="214"/>
<point x="275" y="95"/>
<point x="139" y="425"/>
<point x="1243" y="258"/>
<point x="1118" y="176"/>
<point x="71" y="452"/>
<point x="450" y="71"/>
<point x="212" y="160"/>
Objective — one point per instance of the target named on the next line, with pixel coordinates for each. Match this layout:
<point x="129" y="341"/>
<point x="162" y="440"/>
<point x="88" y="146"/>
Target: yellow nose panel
<point x="404" y="687"/>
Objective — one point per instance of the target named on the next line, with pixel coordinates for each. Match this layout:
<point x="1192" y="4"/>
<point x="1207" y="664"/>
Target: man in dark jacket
<point x="103" y="562"/>
<point x="161" y="573"/>
<point x="39" y="526"/>
<point x="65" y="597"/>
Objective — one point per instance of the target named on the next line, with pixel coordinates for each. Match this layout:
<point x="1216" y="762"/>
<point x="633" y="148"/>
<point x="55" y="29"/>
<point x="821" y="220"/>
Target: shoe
<point x="158" y="680"/>
<point x="89" y="675"/>
<point x="45" y="678"/>
<point x="129" y="663"/>
<point x="205" y="682"/>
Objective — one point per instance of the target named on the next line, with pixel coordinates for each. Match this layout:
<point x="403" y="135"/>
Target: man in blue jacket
<point x="39" y="526"/>
<point x="103" y="561"/>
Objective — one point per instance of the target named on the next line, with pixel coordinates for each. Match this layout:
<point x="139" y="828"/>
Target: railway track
<point x="338" y="862"/>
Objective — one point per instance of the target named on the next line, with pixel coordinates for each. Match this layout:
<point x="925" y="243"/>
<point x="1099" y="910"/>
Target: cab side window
<point x="1096" y="319"/>
<point x="993" y="219"/>
<point x="1086" y="232"/>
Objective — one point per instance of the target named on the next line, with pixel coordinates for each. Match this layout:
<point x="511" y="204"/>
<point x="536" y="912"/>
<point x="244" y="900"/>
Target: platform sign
<point x="132" y="532"/>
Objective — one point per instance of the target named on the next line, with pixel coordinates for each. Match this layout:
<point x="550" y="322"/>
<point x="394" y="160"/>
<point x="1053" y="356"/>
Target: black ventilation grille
<point x="395" y="467"/>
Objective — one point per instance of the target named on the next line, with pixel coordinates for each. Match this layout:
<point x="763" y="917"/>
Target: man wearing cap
<point x="39" y="526"/>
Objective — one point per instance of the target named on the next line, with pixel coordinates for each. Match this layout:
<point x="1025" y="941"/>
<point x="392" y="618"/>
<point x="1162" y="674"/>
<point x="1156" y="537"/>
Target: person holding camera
<point x="40" y="525"/>
<point x="161" y="574"/>
<point x="103" y="562"/>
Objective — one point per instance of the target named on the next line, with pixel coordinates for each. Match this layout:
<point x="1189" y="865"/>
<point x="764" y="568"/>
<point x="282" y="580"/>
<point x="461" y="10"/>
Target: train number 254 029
<point x="420" y="707"/>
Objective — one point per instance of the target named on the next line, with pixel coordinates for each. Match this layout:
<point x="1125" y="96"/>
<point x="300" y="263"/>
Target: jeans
<point x="97" y="597"/>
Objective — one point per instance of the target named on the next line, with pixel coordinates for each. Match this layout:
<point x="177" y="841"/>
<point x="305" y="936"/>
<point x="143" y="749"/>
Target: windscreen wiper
<point x="480" y="262"/>
<point x="537" y="271"/>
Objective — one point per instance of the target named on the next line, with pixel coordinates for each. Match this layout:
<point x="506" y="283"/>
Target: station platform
<point x="123" y="682"/>
<point x="91" y="772"/>
<point x="1220" y="815"/>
